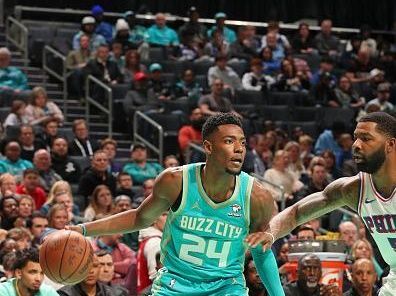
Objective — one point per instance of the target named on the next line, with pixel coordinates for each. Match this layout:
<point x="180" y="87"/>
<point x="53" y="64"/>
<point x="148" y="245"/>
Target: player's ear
<point x="390" y="145"/>
<point x="18" y="273"/>
<point x="207" y="147"/>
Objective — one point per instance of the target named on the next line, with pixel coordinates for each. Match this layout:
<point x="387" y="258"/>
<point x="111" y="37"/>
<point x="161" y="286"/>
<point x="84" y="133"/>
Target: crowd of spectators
<point x="45" y="185"/>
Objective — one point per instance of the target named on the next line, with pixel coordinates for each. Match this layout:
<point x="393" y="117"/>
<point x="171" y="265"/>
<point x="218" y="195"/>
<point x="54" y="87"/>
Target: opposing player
<point x="371" y="193"/>
<point x="212" y="207"/>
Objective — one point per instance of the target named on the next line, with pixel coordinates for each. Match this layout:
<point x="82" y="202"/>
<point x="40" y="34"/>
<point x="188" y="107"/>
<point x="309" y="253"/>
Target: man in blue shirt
<point x="139" y="169"/>
<point x="160" y="34"/>
<point x="102" y="28"/>
<point x="88" y="25"/>
<point x="12" y="163"/>
<point x="228" y="34"/>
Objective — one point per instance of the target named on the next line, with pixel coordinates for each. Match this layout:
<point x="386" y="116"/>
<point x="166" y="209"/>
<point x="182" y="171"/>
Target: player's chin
<point x="234" y="171"/>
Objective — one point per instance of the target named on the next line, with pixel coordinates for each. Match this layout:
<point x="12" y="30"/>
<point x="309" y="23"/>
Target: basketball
<point x="66" y="257"/>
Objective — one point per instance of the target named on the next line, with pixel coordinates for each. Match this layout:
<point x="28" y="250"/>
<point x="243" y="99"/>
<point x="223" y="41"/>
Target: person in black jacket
<point x="96" y="175"/>
<point x="62" y="164"/>
<point x="81" y="144"/>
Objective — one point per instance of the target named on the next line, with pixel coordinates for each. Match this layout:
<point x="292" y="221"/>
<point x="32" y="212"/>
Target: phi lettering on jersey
<point x="381" y="223"/>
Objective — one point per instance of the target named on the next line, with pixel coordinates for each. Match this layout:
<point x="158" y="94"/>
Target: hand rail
<point x="139" y="138"/>
<point x="21" y="44"/>
<point x="61" y="77"/>
<point x="279" y="187"/>
<point x="2" y="12"/>
<point x="192" y="146"/>
<point x="90" y="101"/>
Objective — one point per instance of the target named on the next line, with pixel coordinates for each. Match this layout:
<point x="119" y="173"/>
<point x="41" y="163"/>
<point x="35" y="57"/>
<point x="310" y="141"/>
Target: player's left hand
<point x="330" y="290"/>
<point x="255" y="238"/>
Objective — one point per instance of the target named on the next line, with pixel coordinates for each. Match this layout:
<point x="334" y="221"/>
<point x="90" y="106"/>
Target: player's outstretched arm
<point x="341" y="192"/>
<point x="166" y="189"/>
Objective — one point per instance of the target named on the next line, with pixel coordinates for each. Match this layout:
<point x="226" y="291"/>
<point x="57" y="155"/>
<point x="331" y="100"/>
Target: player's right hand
<point x="74" y="228"/>
<point x="260" y="237"/>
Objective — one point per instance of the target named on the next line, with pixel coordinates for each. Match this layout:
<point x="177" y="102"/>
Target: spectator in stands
<point x="289" y="79"/>
<point x="149" y="247"/>
<point x="90" y="285"/>
<point x="367" y="41"/>
<point x="295" y="166"/>
<point x="253" y="161"/>
<point x="21" y="236"/>
<point x="305" y="232"/>
<point x="109" y="146"/>
<point x="160" y="34"/>
<point x="29" y="145"/>
<point x="158" y="87"/>
<point x="101" y="203"/>
<point x="125" y="186"/>
<point x="42" y="162"/>
<point x="26" y="207"/>
<point x="346" y="96"/>
<point x="7" y="185"/>
<point x="102" y="28"/>
<point x="326" y="66"/>
<point x="322" y="94"/>
<point x="363" y="278"/>
<point x="49" y="133"/>
<point x="188" y="87"/>
<point x="215" y="102"/>
<point x="17" y="114"/>
<point x="221" y="71"/>
<point x="82" y="145"/>
<point x="88" y="25"/>
<point x="309" y="273"/>
<point x="123" y="257"/>
<point x="117" y="54"/>
<point x="8" y="211"/>
<point x="328" y="139"/>
<point x="217" y="45"/>
<point x="362" y="64"/>
<point x="305" y="142"/>
<point x="273" y="27"/>
<point x="278" y="49"/>
<point x="140" y="169"/>
<point x="279" y="174"/>
<point x="13" y="82"/>
<point x="123" y="203"/>
<point x="148" y="186"/>
<point x="12" y="163"/>
<point x="331" y="165"/>
<point x="193" y="30"/>
<point x="253" y="281"/>
<point x="29" y="276"/>
<point x="363" y="249"/>
<point x="8" y="270"/>
<point x="326" y="43"/>
<point x="36" y="224"/>
<point x="96" y="175"/>
<point x="243" y="49"/>
<point x="30" y="185"/>
<point x="346" y="142"/>
<point x="138" y="35"/>
<point x="41" y="108"/>
<point x="382" y="99"/>
<point x="122" y="35"/>
<point x="256" y="79"/>
<point x="270" y="65"/>
<point x="106" y="273"/>
<point x="303" y="42"/>
<point x="68" y="169"/>
<point x="348" y="233"/>
<point x="317" y="180"/>
<point x="188" y="50"/>
<point x="58" y="217"/>
<point x="171" y="161"/>
<point x="351" y="51"/>
<point x="191" y="133"/>
<point x="228" y="34"/>
<point x="132" y="66"/>
<point x="103" y="68"/>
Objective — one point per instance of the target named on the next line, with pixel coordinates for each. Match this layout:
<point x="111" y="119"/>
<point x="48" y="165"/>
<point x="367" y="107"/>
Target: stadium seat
<point x="4" y="111"/>
<point x="156" y="54"/>
<point x="249" y="97"/>
<point x="120" y="91"/>
<point x="309" y="127"/>
<point x="202" y="68"/>
<point x="281" y="98"/>
<point x="274" y="113"/>
<point x="83" y="161"/>
<point x="307" y="114"/>
<point x="331" y="115"/>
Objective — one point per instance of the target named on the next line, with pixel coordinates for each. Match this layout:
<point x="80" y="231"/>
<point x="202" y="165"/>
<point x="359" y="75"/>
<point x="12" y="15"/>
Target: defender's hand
<point x="74" y="228"/>
<point x="263" y="237"/>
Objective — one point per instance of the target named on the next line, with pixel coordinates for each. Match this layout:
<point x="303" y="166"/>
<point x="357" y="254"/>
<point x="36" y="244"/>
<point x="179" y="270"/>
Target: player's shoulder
<point x="170" y="177"/>
<point x="346" y="188"/>
<point x="259" y="192"/>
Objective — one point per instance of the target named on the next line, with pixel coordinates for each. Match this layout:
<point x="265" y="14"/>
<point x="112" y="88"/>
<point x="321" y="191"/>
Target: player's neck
<point x="385" y="180"/>
<point x="22" y="290"/>
<point x="217" y="185"/>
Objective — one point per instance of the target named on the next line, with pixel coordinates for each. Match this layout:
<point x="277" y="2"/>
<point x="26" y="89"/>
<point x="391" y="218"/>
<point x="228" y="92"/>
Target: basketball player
<point x="371" y="193"/>
<point x="213" y="205"/>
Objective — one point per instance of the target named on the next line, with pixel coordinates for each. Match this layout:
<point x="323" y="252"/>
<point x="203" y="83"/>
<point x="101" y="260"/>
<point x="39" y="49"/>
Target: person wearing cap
<point x="88" y="24"/>
<point x="193" y="30"/>
<point x="159" y="88"/>
<point x="122" y="34"/>
<point x="221" y="71"/>
<point x="102" y="28"/>
<point x="160" y="34"/>
<point x="228" y="34"/>
<point x="138" y="35"/>
<point x="140" y="169"/>
<point x="382" y="99"/>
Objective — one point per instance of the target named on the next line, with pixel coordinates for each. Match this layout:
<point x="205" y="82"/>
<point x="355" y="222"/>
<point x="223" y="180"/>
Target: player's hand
<point x="330" y="290"/>
<point x="255" y="238"/>
<point x="74" y="228"/>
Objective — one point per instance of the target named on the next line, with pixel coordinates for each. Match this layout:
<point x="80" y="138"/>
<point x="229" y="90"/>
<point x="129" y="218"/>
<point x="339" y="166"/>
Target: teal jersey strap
<point x="268" y="270"/>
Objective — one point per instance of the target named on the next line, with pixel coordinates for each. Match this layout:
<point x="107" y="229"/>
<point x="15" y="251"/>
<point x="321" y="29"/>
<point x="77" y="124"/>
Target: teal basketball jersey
<point x="204" y="240"/>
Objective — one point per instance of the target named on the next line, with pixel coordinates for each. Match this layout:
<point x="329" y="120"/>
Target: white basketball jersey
<point x="379" y="215"/>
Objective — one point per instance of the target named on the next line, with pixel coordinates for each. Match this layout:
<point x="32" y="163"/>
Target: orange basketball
<point x="66" y="257"/>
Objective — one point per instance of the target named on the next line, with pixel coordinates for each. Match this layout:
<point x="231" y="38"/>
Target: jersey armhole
<point x="360" y="193"/>
<point x="180" y="201"/>
<point x="177" y="202"/>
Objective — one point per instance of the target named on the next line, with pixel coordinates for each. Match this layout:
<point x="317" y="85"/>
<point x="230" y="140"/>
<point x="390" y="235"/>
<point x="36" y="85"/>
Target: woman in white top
<point x="101" y="203"/>
<point x="17" y="115"/>
<point x="41" y="109"/>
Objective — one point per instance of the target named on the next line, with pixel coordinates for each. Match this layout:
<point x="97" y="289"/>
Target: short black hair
<point x="35" y="214"/>
<point x="2" y="201"/>
<point x="386" y="124"/>
<point x="24" y="256"/>
<point x="214" y="121"/>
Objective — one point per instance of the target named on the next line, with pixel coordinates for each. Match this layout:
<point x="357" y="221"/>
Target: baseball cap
<point x="375" y="72"/>
<point x="220" y="15"/>
<point x="138" y="146"/>
<point x="155" y="67"/>
<point x="139" y="76"/>
<point x="97" y="10"/>
<point x="385" y="86"/>
<point x="121" y="25"/>
<point x="88" y="20"/>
